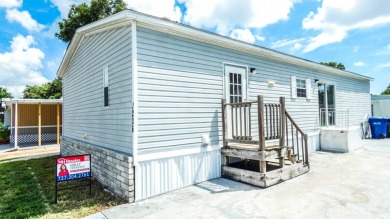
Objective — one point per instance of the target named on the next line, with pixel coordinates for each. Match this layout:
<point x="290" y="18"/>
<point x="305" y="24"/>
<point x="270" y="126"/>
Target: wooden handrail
<point x="304" y="138"/>
<point x="295" y="124"/>
<point x="240" y="103"/>
<point x="274" y="122"/>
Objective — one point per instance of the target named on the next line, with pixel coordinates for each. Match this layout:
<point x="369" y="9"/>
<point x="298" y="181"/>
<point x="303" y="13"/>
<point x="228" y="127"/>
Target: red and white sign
<point x="73" y="167"/>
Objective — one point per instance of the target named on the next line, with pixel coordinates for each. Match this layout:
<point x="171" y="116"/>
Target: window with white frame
<point x="236" y="86"/>
<point x="105" y="86"/>
<point x="301" y="88"/>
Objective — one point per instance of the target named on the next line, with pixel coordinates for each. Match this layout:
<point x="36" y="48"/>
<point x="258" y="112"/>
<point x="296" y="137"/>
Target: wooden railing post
<point x="282" y="140"/>
<point x="306" y="150"/>
<point x="260" y="109"/>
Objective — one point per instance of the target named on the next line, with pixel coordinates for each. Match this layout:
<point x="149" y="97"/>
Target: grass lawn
<point x="27" y="191"/>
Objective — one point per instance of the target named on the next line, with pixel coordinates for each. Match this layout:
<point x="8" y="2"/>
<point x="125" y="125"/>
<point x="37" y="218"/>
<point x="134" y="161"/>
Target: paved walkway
<point x="30" y="151"/>
<point x="352" y="185"/>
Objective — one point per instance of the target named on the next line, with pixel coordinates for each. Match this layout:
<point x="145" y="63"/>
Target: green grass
<point x="27" y="191"/>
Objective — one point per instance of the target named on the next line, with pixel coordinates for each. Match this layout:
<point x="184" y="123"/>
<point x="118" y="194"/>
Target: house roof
<point x="380" y="97"/>
<point x="126" y="17"/>
<point x="9" y="101"/>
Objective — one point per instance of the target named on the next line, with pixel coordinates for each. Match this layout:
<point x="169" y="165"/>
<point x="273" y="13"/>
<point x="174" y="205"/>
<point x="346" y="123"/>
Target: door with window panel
<point x="236" y="92"/>
<point x="235" y="81"/>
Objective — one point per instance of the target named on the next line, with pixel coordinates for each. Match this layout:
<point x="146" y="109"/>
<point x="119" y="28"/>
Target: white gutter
<point x="198" y="34"/>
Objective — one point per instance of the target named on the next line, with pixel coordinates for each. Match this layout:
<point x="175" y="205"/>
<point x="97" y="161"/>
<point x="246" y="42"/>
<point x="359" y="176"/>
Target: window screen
<point x="301" y="88"/>
<point x="235" y="88"/>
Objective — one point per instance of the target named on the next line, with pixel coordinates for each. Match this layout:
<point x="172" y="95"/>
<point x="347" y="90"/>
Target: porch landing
<point x="248" y="172"/>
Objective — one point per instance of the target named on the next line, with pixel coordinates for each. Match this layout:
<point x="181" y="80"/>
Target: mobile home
<point x="160" y="105"/>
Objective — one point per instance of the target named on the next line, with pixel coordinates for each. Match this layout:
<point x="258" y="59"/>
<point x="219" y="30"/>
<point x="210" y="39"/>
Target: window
<point x="301" y="88"/>
<point x="105" y="85"/>
<point x="235" y="88"/>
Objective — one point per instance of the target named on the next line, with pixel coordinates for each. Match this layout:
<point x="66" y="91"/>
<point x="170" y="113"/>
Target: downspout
<point x="134" y="66"/>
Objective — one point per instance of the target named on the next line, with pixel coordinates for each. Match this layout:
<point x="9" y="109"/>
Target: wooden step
<point x="245" y="152"/>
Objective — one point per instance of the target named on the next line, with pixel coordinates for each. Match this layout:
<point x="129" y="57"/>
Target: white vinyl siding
<point x="82" y="91"/>
<point x="181" y="87"/>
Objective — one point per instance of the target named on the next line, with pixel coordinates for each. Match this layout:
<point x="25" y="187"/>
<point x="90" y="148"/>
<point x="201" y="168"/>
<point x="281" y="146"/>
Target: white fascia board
<point x="204" y="36"/>
<point x="31" y="101"/>
<point x="134" y="77"/>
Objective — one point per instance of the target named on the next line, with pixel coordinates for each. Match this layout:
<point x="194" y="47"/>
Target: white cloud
<point x="64" y="5"/>
<point x="385" y="65"/>
<point x="260" y="38"/>
<point x="356" y="48"/>
<point x="10" y="3"/>
<point x="287" y="42"/>
<point x="325" y="38"/>
<point x="335" y="18"/>
<point x="24" y="18"/>
<point x="297" y="46"/>
<point x="359" y="64"/>
<point x="225" y="15"/>
<point x="388" y="47"/>
<point x="160" y="8"/>
<point x="21" y="66"/>
<point x="243" y="35"/>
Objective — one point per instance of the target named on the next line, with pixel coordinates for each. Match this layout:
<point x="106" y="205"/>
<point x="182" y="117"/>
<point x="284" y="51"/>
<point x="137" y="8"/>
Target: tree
<point x="4" y="93"/>
<point x="387" y="91"/>
<point x="51" y="90"/>
<point x="334" y="65"/>
<point x="82" y="14"/>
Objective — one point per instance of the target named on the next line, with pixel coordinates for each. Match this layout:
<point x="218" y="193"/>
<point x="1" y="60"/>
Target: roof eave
<point x="129" y="15"/>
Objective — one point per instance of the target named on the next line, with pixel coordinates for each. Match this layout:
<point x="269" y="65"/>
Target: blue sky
<point x="353" y="32"/>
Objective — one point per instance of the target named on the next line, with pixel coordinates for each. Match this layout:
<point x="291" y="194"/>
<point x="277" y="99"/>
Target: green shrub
<point x="4" y="134"/>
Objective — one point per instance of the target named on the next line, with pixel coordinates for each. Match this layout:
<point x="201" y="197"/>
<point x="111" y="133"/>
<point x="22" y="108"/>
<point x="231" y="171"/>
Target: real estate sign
<point x="73" y="167"/>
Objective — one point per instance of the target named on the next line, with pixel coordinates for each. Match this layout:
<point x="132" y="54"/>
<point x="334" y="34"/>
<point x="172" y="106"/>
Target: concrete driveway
<point x="353" y="185"/>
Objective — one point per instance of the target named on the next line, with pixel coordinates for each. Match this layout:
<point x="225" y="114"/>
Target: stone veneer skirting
<point x="112" y="169"/>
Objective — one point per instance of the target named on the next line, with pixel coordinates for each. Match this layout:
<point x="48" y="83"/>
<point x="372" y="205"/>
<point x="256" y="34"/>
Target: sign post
<point x="72" y="168"/>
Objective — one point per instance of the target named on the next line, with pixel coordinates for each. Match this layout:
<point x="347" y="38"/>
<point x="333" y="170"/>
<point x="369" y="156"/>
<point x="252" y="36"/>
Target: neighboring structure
<point x="145" y="92"/>
<point x="33" y="120"/>
<point x="380" y="105"/>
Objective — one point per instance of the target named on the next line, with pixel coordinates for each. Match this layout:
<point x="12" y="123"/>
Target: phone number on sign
<point x="73" y="176"/>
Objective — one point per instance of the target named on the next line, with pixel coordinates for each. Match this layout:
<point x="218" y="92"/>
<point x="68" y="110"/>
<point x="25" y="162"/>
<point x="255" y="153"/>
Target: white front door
<point x="236" y="92"/>
<point x="235" y="84"/>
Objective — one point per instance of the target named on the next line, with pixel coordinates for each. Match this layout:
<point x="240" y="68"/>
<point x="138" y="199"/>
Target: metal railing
<point x="338" y="119"/>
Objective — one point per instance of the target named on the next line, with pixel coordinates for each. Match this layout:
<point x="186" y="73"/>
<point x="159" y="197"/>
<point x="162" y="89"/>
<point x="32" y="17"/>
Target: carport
<point x="33" y="121"/>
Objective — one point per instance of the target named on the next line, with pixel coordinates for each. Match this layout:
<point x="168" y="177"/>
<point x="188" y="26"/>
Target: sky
<point x="353" y="32"/>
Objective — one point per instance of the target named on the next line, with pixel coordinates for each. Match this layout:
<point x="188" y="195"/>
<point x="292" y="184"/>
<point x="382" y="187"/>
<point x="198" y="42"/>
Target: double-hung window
<point x="105" y="86"/>
<point x="301" y="88"/>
